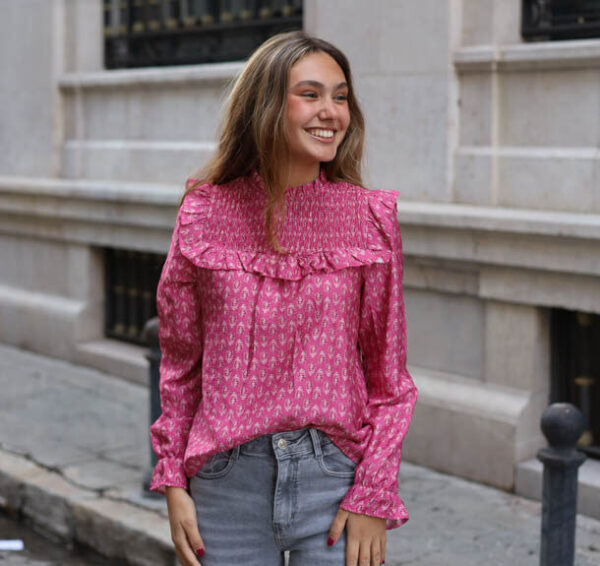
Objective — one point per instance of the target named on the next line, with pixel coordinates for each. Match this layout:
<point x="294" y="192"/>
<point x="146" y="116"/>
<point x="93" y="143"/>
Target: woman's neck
<point x="302" y="174"/>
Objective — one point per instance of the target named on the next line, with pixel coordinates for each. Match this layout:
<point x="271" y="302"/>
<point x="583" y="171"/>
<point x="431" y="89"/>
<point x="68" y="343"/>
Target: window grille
<point x="142" y="33"/>
<point x="131" y="279"/>
<point x="544" y="20"/>
<point x="576" y="370"/>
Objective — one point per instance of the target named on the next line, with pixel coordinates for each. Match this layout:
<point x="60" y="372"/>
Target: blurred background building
<point x="484" y="115"/>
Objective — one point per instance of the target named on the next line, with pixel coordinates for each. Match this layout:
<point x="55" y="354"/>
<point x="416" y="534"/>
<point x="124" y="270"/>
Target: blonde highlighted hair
<point x="253" y="129"/>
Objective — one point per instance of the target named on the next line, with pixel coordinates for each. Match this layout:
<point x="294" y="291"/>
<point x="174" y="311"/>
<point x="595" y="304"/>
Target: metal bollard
<point x="562" y="425"/>
<point x="151" y="338"/>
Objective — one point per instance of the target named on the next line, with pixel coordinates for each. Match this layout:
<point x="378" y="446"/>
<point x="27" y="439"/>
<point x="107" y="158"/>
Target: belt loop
<point x="316" y="440"/>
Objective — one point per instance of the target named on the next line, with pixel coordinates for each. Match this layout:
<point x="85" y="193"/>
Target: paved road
<point x="39" y="550"/>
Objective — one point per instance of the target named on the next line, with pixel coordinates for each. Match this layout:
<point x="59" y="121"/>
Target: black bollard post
<point x="151" y="338"/>
<point x="562" y="425"/>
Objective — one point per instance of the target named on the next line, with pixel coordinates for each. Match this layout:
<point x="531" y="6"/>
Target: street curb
<point x="115" y="529"/>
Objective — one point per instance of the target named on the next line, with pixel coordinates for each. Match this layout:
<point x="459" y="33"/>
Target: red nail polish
<point x="200" y="552"/>
<point x="330" y="541"/>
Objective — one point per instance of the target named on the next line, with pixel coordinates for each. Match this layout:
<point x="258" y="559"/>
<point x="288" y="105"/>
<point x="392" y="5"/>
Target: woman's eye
<point x="310" y="94"/>
<point x="342" y="97"/>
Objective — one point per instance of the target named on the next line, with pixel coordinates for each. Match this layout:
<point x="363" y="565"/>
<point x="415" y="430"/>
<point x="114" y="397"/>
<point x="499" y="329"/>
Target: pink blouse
<point x="255" y="343"/>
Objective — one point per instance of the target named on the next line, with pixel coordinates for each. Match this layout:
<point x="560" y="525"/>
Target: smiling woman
<point x="283" y="379"/>
<point x="317" y="115"/>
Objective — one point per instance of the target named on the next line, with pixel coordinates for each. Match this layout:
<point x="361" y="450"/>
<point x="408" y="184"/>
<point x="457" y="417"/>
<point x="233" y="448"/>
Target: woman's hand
<point x="184" y="526"/>
<point x="365" y="537"/>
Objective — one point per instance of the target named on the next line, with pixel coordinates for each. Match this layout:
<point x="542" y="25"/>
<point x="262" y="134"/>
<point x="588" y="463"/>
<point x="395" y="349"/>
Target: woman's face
<point x="317" y="114"/>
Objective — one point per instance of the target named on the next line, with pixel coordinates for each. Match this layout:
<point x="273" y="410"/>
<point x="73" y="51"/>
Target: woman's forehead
<point x="318" y="67"/>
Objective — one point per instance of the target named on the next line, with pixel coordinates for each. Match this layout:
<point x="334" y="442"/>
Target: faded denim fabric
<point x="275" y="493"/>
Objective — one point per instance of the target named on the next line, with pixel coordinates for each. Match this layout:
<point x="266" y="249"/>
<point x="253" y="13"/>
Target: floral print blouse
<point x="254" y="342"/>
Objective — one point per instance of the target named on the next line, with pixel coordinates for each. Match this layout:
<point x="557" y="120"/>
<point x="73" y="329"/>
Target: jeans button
<point x="282" y="443"/>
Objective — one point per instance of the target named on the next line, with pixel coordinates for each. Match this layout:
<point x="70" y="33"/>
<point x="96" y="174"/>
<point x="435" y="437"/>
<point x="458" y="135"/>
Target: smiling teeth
<point x="321" y="133"/>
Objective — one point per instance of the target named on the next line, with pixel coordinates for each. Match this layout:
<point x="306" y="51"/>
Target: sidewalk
<point x="74" y="448"/>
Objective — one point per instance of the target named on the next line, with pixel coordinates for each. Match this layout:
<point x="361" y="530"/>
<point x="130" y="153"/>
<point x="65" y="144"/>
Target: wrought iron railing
<point x="142" y="33"/>
<point x="131" y="279"/>
<point x="560" y="19"/>
<point x="576" y="370"/>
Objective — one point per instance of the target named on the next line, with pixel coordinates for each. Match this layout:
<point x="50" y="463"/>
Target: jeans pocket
<point x="218" y="465"/>
<point x="335" y="463"/>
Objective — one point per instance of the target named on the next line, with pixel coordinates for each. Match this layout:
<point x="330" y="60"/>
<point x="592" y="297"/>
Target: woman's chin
<point x="326" y="156"/>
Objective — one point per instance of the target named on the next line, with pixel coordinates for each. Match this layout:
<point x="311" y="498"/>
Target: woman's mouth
<point x="324" y="135"/>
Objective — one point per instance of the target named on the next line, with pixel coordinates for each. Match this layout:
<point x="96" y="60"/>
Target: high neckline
<point x="316" y="183"/>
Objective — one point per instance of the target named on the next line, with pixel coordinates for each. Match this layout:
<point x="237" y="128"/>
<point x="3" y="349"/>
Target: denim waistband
<point x="286" y="444"/>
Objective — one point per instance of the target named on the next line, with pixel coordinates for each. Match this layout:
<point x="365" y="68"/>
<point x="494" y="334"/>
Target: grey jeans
<point x="279" y="492"/>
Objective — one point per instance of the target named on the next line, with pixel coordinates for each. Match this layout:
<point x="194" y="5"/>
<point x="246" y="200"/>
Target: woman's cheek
<point x="295" y="109"/>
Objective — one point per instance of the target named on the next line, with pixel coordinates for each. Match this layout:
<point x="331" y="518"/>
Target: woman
<point x="284" y="388"/>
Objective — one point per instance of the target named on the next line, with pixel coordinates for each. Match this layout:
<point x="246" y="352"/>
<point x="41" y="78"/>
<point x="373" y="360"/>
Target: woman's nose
<point x="327" y="109"/>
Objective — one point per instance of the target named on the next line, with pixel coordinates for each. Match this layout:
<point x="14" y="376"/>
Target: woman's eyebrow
<point x="317" y="84"/>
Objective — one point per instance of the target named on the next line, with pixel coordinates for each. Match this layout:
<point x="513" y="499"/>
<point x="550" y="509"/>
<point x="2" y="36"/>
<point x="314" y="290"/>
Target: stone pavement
<point x="74" y="448"/>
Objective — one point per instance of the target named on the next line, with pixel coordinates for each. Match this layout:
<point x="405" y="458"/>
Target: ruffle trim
<point x="168" y="472"/>
<point x="383" y="504"/>
<point x="379" y="211"/>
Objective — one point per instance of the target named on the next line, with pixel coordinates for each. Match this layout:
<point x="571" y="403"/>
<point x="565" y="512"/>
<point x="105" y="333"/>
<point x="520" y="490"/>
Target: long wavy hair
<point x="252" y="131"/>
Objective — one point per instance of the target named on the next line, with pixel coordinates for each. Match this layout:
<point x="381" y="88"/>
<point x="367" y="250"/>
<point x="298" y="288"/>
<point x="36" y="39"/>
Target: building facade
<point x="492" y="142"/>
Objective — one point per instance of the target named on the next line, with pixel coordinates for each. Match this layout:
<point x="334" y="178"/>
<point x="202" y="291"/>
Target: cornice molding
<point x="550" y="55"/>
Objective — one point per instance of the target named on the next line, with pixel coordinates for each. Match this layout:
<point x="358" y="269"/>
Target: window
<point x="544" y="20"/>
<point x="142" y="33"/>
<point x="576" y="370"/>
<point x="131" y="280"/>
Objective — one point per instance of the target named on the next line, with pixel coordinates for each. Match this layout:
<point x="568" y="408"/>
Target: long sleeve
<point x="391" y="392"/>
<point x="180" y="338"/>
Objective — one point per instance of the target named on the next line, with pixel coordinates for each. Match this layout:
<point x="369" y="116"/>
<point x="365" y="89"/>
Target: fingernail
<point x="330" y="541"/>
<point x="200" y="552"/>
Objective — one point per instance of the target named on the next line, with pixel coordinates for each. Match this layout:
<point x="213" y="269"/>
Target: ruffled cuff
<point x="377" y="503"/>
<point x="168" y="472"/>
